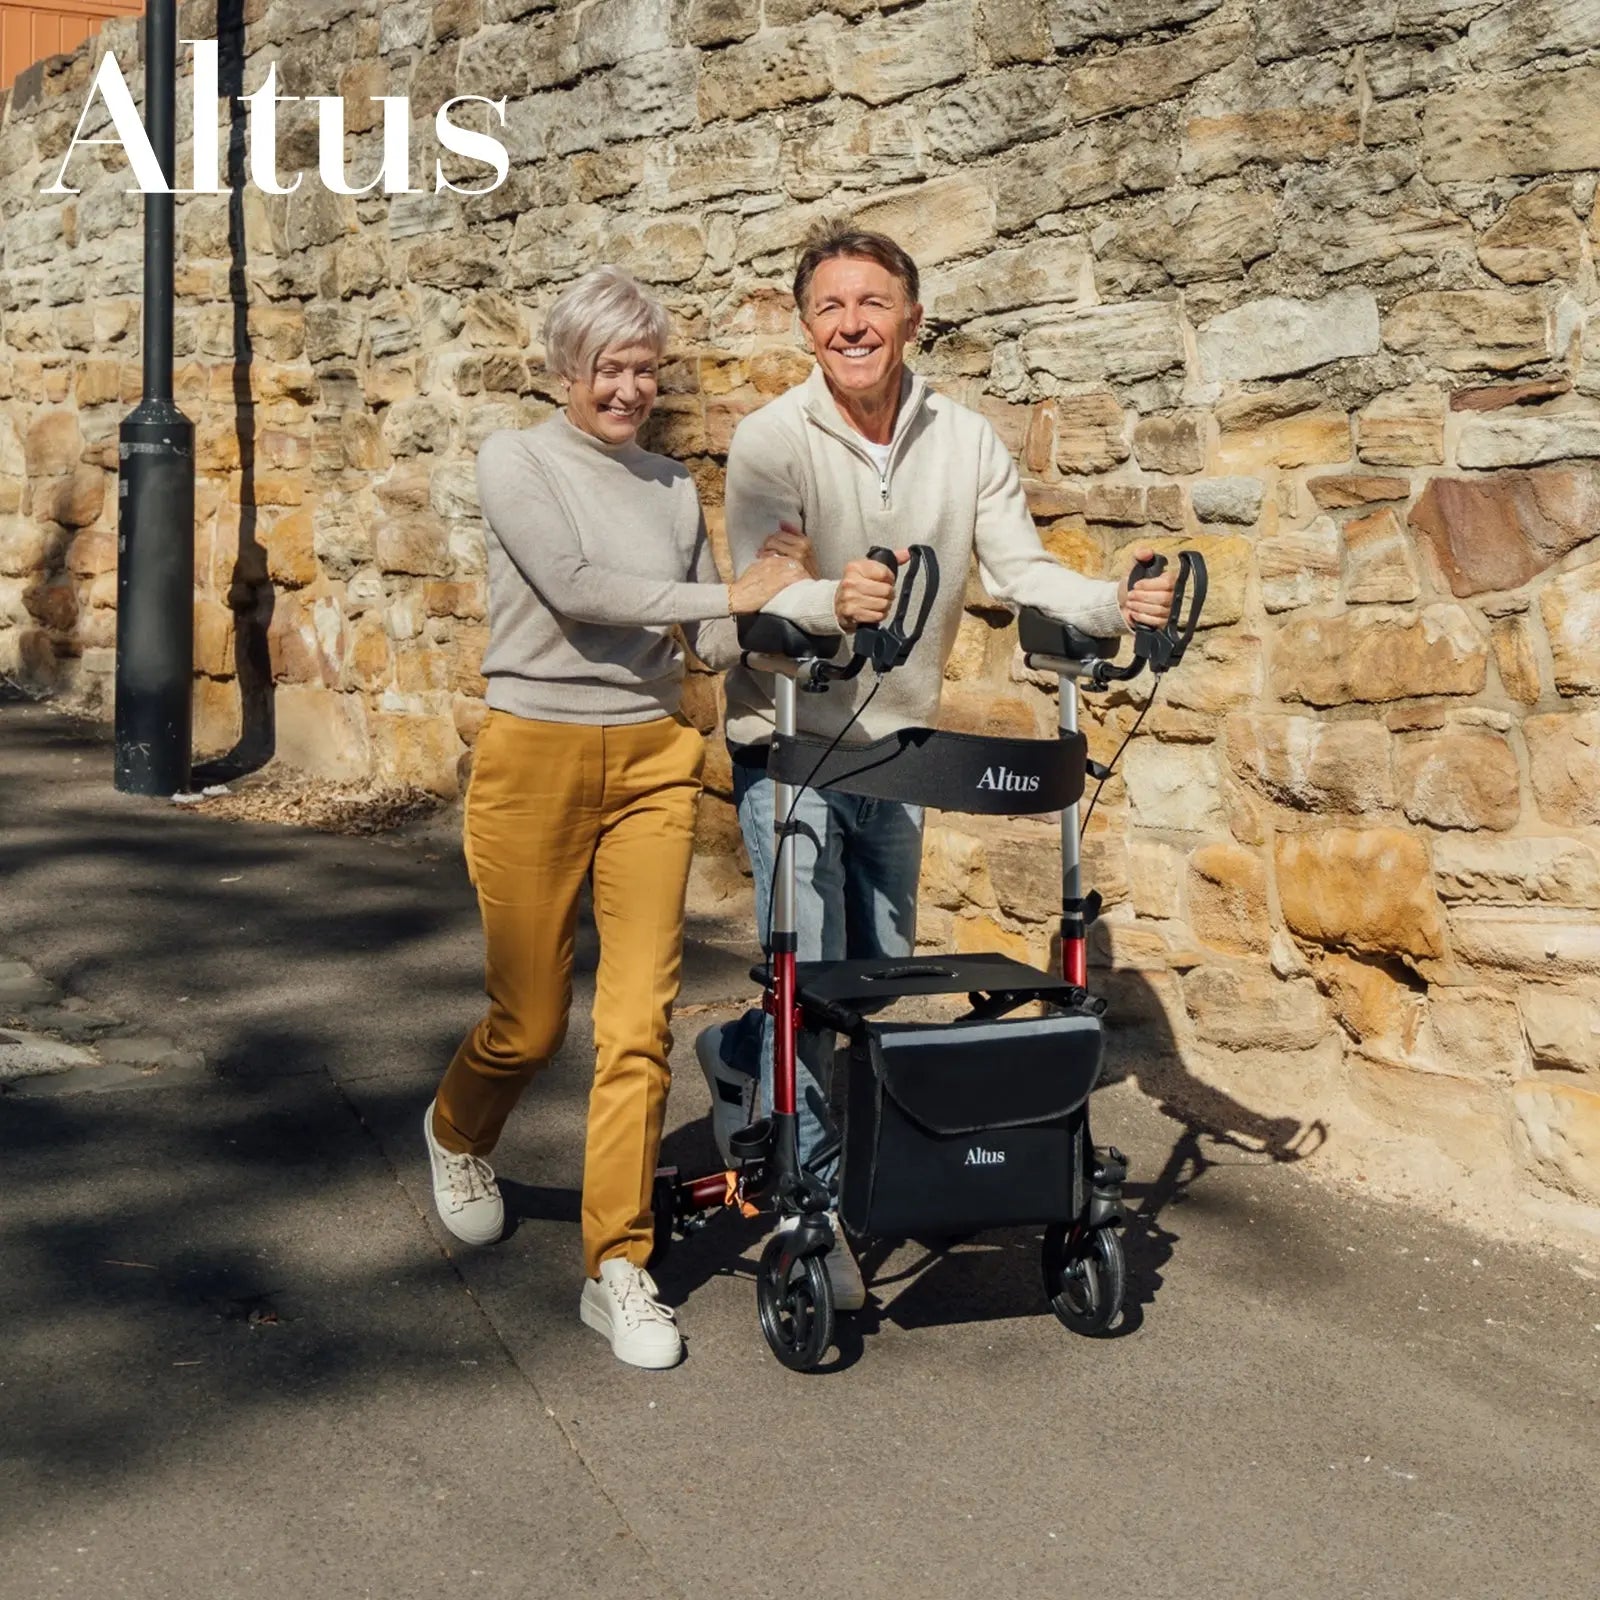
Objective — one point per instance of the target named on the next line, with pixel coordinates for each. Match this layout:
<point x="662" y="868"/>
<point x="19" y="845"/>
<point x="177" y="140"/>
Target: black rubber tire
<point x="796" y="1314"/>
<point x="1085" y="1277"/>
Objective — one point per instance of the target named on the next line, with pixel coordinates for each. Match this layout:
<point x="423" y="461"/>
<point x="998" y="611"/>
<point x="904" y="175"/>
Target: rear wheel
<point x="794" y="1299"/>
<point x="1085" y="1276"/>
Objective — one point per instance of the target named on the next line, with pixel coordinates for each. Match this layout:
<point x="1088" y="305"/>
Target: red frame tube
<point x="1075" y="961"/>
<point x="785" y="981"/>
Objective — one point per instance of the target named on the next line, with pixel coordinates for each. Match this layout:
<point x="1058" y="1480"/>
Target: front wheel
<point x="1085" y="1276"/>
<point x="794" y="1299"/>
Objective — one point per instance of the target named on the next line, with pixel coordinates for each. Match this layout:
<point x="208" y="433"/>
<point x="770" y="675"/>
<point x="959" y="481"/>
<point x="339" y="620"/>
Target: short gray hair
<point x="604" y="307"/>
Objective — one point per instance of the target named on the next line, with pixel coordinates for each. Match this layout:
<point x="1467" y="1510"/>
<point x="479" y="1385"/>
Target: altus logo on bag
<point x="394" y="173"/>
<point x="977" y="1156"/>
<point x="1012" y="782"/>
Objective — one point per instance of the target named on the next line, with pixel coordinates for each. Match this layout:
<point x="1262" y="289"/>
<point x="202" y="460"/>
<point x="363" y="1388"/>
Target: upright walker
<point x="951" y="1127"/>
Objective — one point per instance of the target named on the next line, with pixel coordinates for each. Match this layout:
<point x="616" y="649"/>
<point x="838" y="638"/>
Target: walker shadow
<point x="998" y="1274"/>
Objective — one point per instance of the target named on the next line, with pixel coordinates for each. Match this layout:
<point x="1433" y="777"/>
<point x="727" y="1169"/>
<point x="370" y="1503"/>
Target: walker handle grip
<point x="887" y="644"/>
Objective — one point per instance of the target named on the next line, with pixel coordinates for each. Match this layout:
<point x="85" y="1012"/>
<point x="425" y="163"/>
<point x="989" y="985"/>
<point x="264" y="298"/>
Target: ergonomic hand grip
<point x="888" y="643"/>
<point x="1164" y="647"/>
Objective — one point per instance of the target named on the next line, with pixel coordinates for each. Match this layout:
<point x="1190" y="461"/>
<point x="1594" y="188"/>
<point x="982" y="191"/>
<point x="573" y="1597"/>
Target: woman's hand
<point x="790" y="540"/>
<point x="1147" y="603"/>
<point x="763" y="578"/>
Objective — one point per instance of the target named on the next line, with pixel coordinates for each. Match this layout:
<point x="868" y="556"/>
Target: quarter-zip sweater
<point x="595" y="552"/>
<point x="949" y="483"/>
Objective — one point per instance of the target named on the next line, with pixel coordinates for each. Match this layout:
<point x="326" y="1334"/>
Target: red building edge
<point x="34" y="30"/>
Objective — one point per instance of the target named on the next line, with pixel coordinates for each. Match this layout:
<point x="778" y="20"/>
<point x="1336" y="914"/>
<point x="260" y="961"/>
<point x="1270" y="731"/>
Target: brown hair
<point x="839" y="236"/>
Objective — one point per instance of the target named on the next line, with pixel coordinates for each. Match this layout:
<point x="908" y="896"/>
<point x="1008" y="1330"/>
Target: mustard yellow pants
<point x="549" y="805"/>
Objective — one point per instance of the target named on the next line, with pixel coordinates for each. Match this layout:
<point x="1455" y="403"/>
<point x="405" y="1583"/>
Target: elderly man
<point x="864" y="454"/>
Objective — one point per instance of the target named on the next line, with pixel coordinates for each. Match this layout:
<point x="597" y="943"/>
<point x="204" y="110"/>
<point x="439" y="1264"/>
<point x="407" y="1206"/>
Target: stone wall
<point x="1304" y="285"/>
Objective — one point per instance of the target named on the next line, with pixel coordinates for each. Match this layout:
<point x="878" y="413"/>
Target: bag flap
<point x="965" y="1077"/>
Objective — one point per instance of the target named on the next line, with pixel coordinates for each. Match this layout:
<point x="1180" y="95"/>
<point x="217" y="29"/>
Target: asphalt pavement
<point x="238" y="1357"/>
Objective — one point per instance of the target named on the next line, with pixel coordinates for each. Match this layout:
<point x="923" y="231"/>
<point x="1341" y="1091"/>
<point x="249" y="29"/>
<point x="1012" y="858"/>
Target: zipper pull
<point x="883" y="490"/>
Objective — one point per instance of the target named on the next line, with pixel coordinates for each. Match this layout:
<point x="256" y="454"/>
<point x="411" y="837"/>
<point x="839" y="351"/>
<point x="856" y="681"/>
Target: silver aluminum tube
<point x="783" y="907"/>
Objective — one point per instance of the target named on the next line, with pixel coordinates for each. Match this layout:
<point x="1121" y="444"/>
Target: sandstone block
<point x="1513" y="438"/>
<point x="1250" y="1008"/>
<point x="93" y="554"/>
<point x="415" y="545"/>
<point x="1517" y="872"/>
<point x="1091" y="436"/>
<point x="1155" y="877"/>
<point x="1299" y="441"/>
<point x="1498" y="532"/>
<point x="656" y="250"/>
<point x="1571" y="609"/>
<point x="1142" y="75"/>
<point x="1311" y="765"/>
<point x="1513" y="35"/>
<point x="1563" y="1028"/>
<point x="1375" y="1006"/>
<point x="291" y="550"/>
<point x="1119" y="343"/>
<point x="417" y="751"/>
<point x="1459" y="780"/>
<point x="1462" y="329"/>
<point x="1339" y="491"/>
<point x="1217" y="145"/>
<point x="1537" y="237"/>
<point x="1367" y="890"/>
<point x="1516" y="660"/>
<point x="1228" y="899"/>
<point x="953" y="873"/>
<point x="77" y="500"/>
<point x="1014" y="30"/>
<point x="775" y="68"/>
<point x="1276" y="335"/>
<point x="1174" y="444"/>
<point x="992" y="112"/>
<point x="1557" y="945"/>
<point x="1302" y="27"/>
<point x="1403" y="429"/>
<point x="53" y="444"/>
<point x="937" y="220"/>
<point x="1487" y="130"/>
<point x="1379" y="564"/>
<point x="1013" y="850"/>
<point x="1558" y="1132"/>
<point x="1231" y="499"/>
<point x="1042" y="272"/>
<point x="886" y="59"/>
<point x="1378" y="654"/>
<point x="1076" y="22"/>
<point x="1125" y="155"/>
<point x="1477" y="1031"/>
<point x="1564" y="766"/>
<point x="1174" y="787"/>
<point x="1300" y="567"/>
<point x="1221" y="671"/>
<point x="1463" y="1117"/>
<point x="320" y="732"/>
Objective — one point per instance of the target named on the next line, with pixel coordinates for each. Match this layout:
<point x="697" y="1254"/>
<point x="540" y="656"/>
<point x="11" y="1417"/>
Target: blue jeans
<point x="856" y="868"/>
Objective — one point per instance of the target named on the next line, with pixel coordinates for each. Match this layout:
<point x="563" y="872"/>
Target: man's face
<point x="858" y="321"/>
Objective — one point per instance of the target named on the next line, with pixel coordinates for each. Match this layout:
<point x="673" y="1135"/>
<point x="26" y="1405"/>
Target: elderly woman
<point x="584" y="771"/>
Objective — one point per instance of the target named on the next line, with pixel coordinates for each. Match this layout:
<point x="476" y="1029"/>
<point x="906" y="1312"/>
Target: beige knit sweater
<point x="950" y="483"/>
<point x="595" y="551"/>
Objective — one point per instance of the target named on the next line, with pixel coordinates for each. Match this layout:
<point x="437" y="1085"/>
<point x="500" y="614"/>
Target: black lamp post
<point x="155" y="489"/>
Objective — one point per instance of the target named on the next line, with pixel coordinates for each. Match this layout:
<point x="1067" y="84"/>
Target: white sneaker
<point x="844" y="1272"/>
<point x="622" y="1304"/>
<point x="464" y="1191"/>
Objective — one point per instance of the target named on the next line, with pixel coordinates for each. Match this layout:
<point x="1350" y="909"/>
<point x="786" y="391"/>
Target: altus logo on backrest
<point x="1012" y="782"/>
<point x="394" y="173"/>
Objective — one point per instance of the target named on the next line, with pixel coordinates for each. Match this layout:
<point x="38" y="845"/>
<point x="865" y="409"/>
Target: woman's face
<point x="613" y="402"/>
